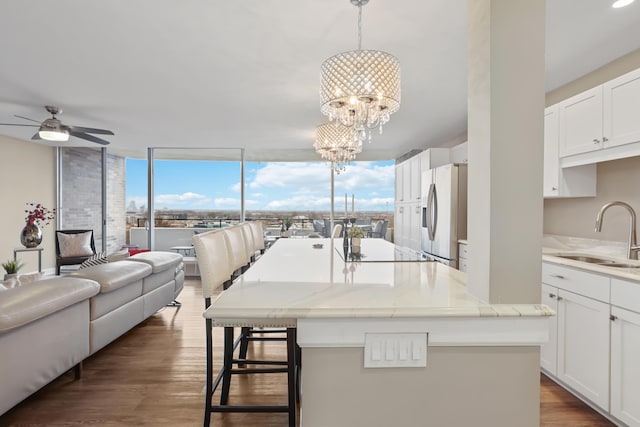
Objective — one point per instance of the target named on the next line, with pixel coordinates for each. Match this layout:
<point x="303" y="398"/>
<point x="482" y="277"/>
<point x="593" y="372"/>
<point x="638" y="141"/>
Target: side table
<point x="39" y="250"/>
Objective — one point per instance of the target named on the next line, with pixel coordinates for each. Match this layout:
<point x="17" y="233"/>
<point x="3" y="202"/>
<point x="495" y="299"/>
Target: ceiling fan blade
<point x="88" y="137"/>
<point x="26" y="118"/>
<point x="16" y="124"/>
<point x="90" y="130"/>
<point x="36" y="136"/>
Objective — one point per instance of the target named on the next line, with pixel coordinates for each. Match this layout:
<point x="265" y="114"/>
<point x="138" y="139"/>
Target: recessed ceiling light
<point x="621" y="3"/>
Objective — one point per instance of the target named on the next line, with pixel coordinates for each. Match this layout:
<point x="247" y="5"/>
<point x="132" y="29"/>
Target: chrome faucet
<point x="633" y="245"/>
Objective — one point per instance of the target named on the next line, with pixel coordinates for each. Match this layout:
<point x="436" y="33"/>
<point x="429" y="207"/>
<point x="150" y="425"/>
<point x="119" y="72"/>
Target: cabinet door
<point x="583" y="346"/>
<point x="406" y="181"/>
<point x="581" y="128"/>
<point x="416" y="175"/>
<point x="551" y="183"/>
<point x="399" y="183"/>
<point x="622" y="109"/>
<point x="549" y="351"/>
<point x="625" y="366"/>
<point x="414" y="227"/>
<point x="398" y="226"/>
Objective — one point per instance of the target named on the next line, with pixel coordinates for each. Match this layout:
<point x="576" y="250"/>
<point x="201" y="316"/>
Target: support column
<point x="505" y="129"/>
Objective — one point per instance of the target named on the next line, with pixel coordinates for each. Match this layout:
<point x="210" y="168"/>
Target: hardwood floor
<point x="154" y="376"/>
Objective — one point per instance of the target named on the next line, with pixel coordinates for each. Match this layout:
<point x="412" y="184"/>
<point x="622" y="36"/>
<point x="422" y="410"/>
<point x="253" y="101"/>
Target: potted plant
<point x="356" y="234"/>
<point x="11" y="267"/>
<point x="288" y="222"/>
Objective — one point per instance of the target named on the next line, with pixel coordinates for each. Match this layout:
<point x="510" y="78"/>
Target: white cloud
<point x="181" y="200"/>
<point x="307" y="186"/>
<point x="226" y="202"/>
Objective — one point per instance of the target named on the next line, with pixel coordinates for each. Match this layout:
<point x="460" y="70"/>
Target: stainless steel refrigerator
<point x="444" y="212"/>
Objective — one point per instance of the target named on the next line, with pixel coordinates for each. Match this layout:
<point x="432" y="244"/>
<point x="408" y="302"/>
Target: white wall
<point x="27" y="174"/>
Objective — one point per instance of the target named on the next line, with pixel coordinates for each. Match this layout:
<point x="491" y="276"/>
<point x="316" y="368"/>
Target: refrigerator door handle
<point x="433" y="211"/>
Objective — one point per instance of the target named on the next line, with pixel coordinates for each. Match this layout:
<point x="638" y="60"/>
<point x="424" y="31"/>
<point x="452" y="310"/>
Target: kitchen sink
<point x="599" y="261"/>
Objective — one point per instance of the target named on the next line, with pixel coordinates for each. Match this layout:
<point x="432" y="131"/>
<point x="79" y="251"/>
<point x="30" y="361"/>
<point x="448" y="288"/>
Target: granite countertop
<point x="554" y="245"/>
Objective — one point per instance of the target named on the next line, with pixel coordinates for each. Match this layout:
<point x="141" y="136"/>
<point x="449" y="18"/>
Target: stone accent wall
<point x="81" y="195"/>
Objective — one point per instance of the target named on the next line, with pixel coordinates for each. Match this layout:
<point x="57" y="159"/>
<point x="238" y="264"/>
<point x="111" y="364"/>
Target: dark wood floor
<point x="153" y="376"/>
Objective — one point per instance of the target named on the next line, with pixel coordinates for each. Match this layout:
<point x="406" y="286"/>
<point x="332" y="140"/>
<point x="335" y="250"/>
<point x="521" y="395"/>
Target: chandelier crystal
<point x="337" y="144"/>
<point x="360" y="88"/>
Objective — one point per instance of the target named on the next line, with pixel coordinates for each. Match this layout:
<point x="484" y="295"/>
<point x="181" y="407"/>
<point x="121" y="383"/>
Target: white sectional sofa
<point x="50" y="326"/>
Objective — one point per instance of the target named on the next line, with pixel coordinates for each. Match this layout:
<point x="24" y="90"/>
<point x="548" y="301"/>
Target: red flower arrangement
<point x="39" y="215"/>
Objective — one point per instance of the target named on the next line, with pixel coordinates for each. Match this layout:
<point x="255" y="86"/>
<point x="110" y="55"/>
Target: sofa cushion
<point x="72" y="245"/>
<point x="114" y="275"/>
<point x="24" y="304"/>
<point x="158" y="260"/>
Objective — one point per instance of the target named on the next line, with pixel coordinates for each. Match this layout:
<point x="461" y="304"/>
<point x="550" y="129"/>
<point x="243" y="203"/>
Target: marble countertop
<point x="293" y="280"/>
<point x="554" y="245"/>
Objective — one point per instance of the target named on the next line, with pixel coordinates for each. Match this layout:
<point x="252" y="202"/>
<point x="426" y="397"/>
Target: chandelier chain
<point x="360" y="27"/>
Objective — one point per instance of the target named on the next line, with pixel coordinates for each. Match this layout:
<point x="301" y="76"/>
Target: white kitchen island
<point x="392" y="340"/>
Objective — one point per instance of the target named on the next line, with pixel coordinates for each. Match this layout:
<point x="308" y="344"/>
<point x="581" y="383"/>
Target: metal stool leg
<point x="227" y="365"/>
<point x="208" y="394"/>
<point x="291" y="375"/>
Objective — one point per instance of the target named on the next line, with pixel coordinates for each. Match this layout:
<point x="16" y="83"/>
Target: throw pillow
<point x="97" y="259"/>
<point x="117" y="256"/>
<point x="75" y="244"/>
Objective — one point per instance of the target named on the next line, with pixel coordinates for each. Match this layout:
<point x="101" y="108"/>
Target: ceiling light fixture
<point x="360" y="88"/>
<point x="53" y="130"/>
<point x="621" y="3"/>
<point x="337" y="144"/>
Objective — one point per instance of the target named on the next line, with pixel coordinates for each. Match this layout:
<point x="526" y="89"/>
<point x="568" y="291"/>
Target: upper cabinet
<point x="602" y="123"/>
<point x="409" y="173"/>
<point x="578" y="181"/>
<point x="621" y="109"/>
<point x="581" y="123"/>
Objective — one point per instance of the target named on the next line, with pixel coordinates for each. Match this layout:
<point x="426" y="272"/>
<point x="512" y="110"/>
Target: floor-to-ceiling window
<point x="193" y="190"/>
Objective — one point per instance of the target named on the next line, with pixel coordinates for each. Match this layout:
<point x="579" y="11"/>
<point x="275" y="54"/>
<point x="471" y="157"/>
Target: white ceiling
<point x="213" y="73"/>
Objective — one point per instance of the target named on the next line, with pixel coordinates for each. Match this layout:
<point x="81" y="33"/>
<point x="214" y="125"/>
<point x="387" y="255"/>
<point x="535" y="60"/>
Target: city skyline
<point x="269" y="186"/>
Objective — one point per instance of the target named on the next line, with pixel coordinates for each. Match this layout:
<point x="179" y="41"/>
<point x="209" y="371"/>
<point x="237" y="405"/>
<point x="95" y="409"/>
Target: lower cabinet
<point x="625" y="365"/>
<point x="625" y="351"/>
<point x="407" y="226"/>
<point x="583" y="346"/>
<point x="549" y="351"/>
<point x="463" y="256"/>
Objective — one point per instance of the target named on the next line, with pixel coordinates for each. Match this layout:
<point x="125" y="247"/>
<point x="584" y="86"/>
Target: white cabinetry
<point x="549" y="351"/>
<point x="621" y="109"/>
<point x="463" y="256"/>
<point x="602" y="123"/>
<point x="408" y="194"/>
<point x="581" y="128"/>
<point x="582" y="327"/>
<point x="625" y="351"/>
<point x="577" y="181"/>
<point x="583" y="346"/>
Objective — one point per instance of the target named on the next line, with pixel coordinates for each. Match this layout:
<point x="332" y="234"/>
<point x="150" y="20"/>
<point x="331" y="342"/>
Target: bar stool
<point x="214" y="260"/>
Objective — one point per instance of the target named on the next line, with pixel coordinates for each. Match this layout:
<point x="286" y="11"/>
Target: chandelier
<point x="360" y="88"/>
<point x="337" y="144"/>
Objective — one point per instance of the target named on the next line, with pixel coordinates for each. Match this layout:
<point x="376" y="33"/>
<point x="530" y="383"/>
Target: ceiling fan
<point x="52" y="129"/>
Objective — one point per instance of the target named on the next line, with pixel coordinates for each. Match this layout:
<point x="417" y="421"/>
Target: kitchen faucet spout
<point x="633" y="244"/>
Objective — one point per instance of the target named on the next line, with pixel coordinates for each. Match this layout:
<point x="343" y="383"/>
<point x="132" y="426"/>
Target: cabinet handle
<point x="560" y="298"/>
<point x="605" y="139"/>
<point x="554" y="188"/>
<point x="557" y="276"/>
<point x="552" y="295"/>
<point x="613" y="318"/>
<point x="596" y="141"/>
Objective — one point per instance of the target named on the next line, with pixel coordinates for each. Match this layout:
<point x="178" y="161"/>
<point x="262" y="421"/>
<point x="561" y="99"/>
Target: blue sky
<point x="300" y="186"/>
